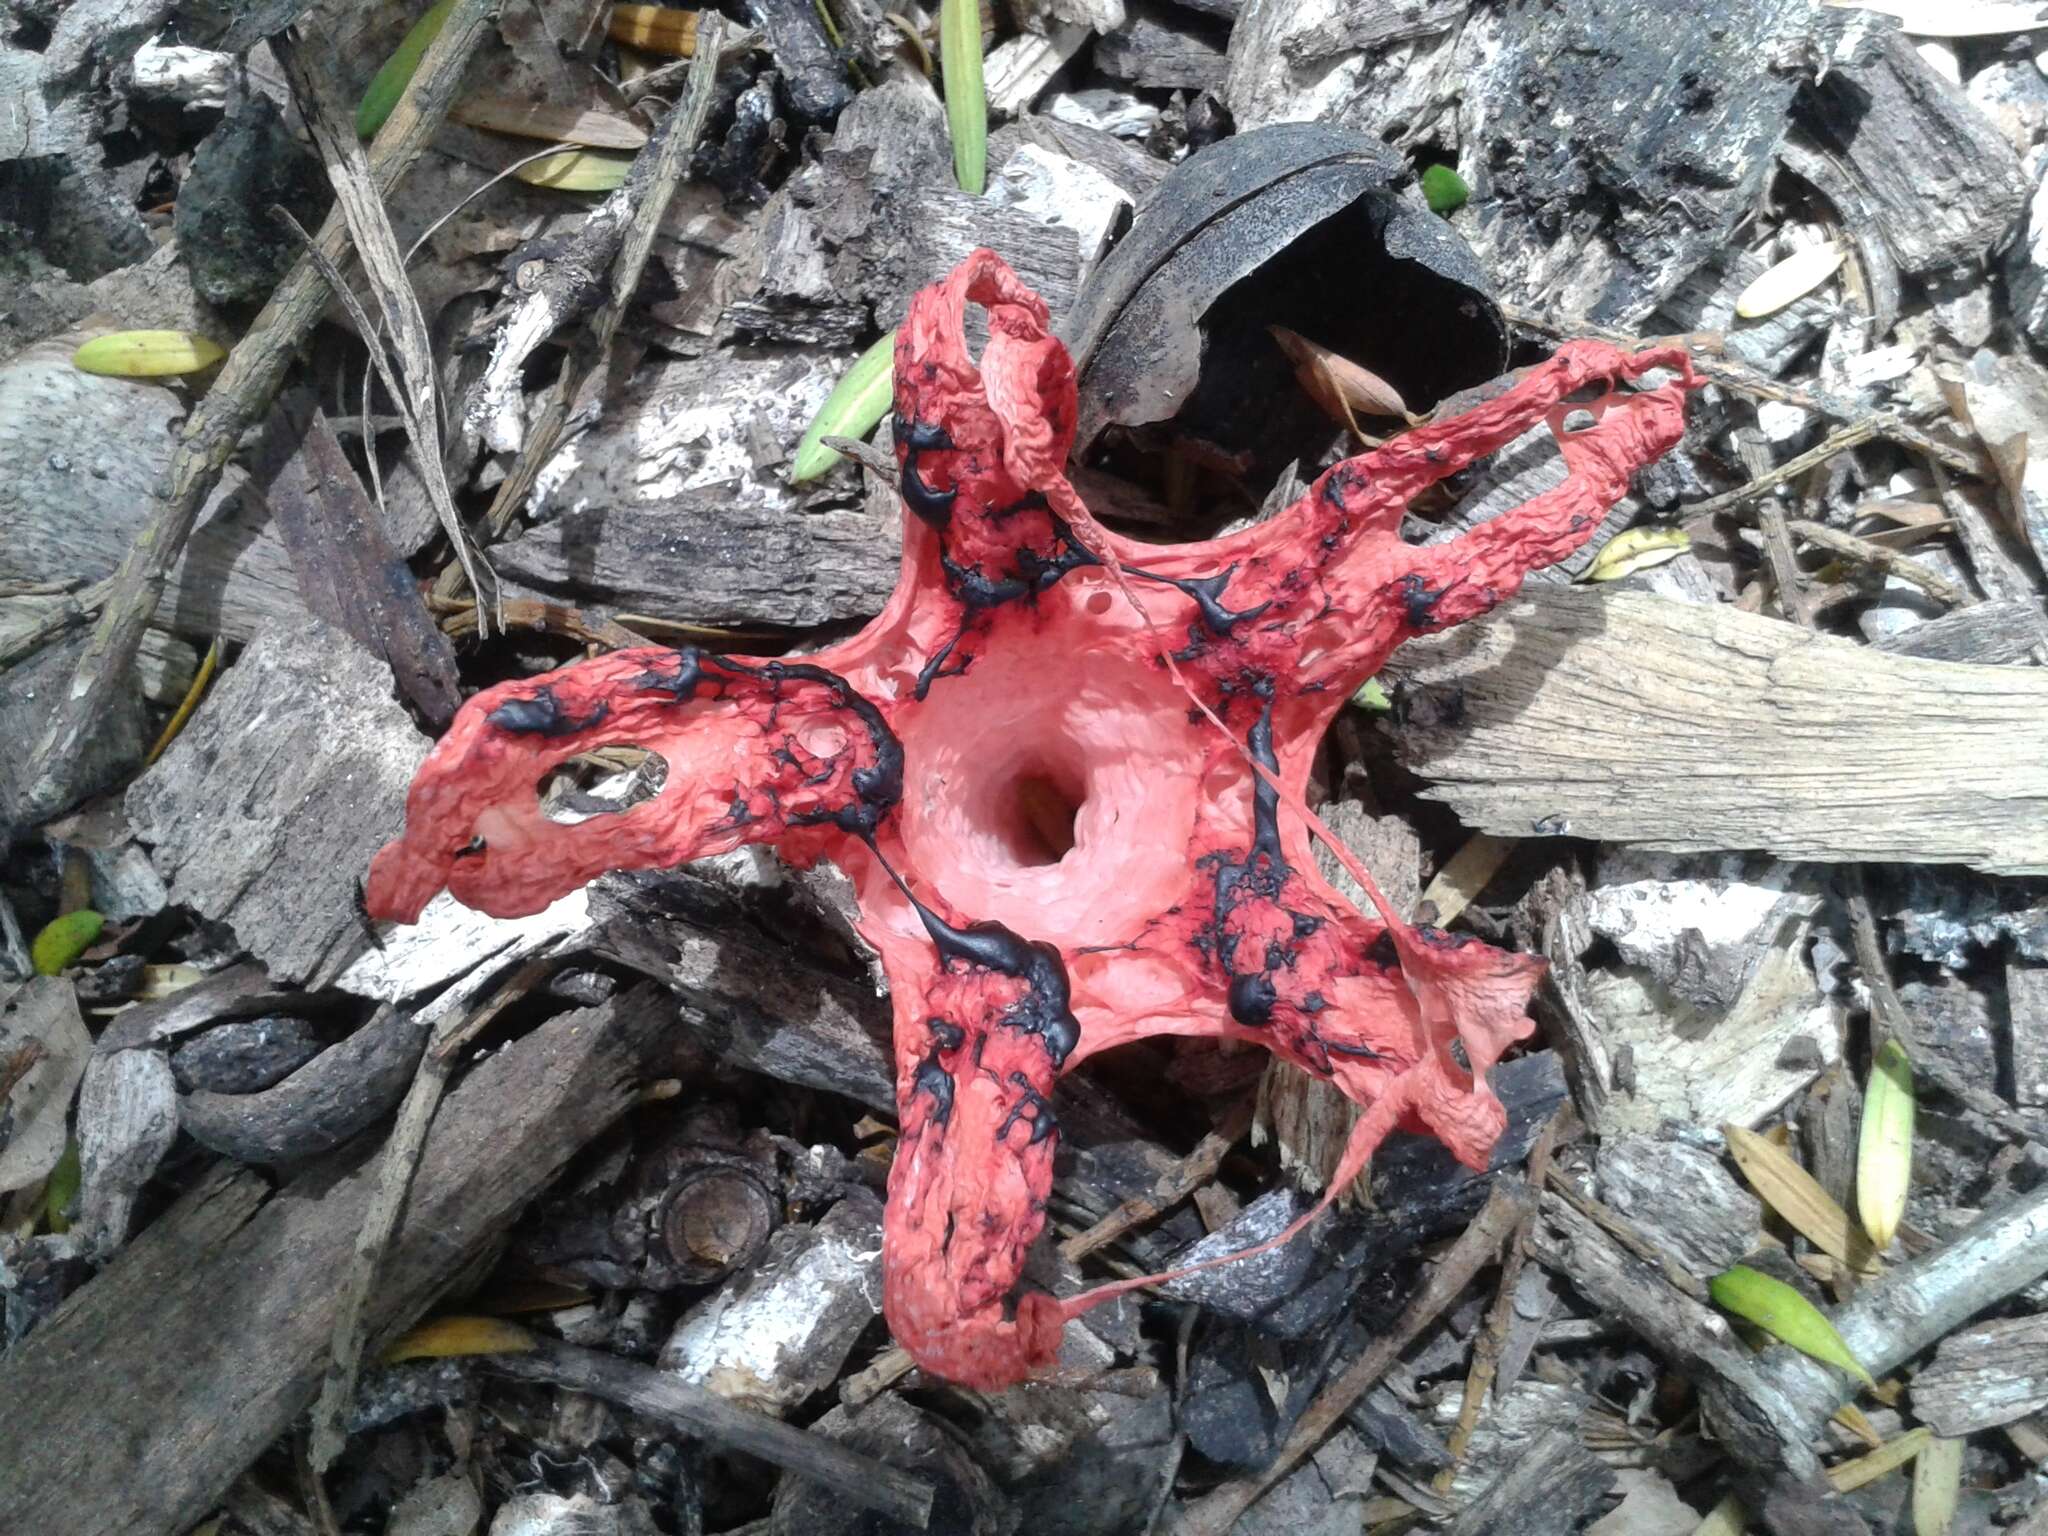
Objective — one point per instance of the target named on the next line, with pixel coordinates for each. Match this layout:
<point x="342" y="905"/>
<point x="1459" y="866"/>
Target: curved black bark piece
<point x="340" y="1092"/>
<point x="1315" y="218"/>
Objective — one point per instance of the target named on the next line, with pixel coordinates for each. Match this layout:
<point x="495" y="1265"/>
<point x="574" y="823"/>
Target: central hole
<point x="1041" y="824"/>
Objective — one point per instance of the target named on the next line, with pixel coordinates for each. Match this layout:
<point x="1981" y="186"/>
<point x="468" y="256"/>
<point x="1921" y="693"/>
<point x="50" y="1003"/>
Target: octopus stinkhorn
<point x="1173" y="696"/>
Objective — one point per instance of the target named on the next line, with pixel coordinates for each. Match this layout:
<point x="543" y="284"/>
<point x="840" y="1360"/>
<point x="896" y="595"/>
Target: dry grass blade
<point x="656" y="28"/>
<point x="1727" y="1518"/>
<point x="1464" y="875"/>
<point x="444" y="1338"/>
<point x="1793" y="1193"/>
<point x="1637" y="549"/>
<point x="411" y="381"/>
<point x="576" y="170"/>
<point x="541" y="120"/>
<point x="1850" y="1475"/>
<point x="187" y="704"/>
<point x="1937" y="1481"/>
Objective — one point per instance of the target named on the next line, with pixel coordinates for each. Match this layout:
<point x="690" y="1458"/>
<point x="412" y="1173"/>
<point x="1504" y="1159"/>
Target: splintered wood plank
<point x="202" y="1341"/>
<point x="265" y="811"/>
<point x="1630" y="719"/>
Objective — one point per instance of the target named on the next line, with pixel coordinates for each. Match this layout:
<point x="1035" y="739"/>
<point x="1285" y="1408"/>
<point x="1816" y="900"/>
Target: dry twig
<point x="1215" y="1512"/>
<point x="1493" y="1337"/>
<point x="238" y="400"/>
<point x="658" y="170"/>
<point x="1172" y="1186"/>
<point x="1890" y="561"/>
<point x="401" y="1157"/>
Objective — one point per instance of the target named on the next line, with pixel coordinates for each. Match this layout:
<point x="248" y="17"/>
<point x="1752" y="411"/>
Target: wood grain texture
<point x="134" y="1407"/>
<point x="1985" y="1376"/>
<point x="1633" y="720"/>
<point x="265" y="811"/>
<point x="69" y="512"/>
<point x="1553" y="1489"/>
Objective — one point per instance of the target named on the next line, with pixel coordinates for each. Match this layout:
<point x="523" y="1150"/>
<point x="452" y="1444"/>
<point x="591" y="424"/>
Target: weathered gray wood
<point x="876" y="218"/>
<point x="1994" y="633"/>
<point x="1985" y="1376"/>
<point x="1660" y="122"/>
<point x="2026" y="1002"/>
<point x="1682" y="1197"/>
<point x="843" y="1474"/>
<point x="265" y="811"/>
<point x="28" y="690"/>
<point x="758" y="1005"/>
<point x="1943" y="184"/>
<point x="81" y="457"/>
<point x="198" y="1345"/>
<point x="239" y="395"/>
<point x="39" y="1015"/>
<point x="705" y="556"/>
<point x="348" y="573"/>
<point x="777" y="1335"/>
<point x="127" y="1120"/>
<point x="1632" y="720"/>
<point x="1551" y="1490"/>
<point x="1156" y="49"/>
<point x="1753" y="1417"/>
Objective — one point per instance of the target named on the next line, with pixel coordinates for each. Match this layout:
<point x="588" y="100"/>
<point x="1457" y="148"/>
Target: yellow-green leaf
<point x="390" y="82"/>
<point x="859" y="400"/>
<point x="1785" y="1314"/>
<point x="60" y="944"/>
<point x="147" y="354"/>
<point x="60" y="1189"/>
<point x="577" y="170"/>
<point x="446" y="1336"/>
<point x="1791" y="279"/>
<point x="1372" y="696"/>
<point x="1637" y="549"/>
<point x="1884" y="1154"/>
<point x="966" y="96"/>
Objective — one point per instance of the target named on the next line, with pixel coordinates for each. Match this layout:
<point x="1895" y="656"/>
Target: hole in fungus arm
<point x="602" y="782"/>
<point x="1031" y="664"/>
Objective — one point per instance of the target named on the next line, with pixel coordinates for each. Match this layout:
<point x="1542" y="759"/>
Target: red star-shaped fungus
<point x="1173" y="696"/>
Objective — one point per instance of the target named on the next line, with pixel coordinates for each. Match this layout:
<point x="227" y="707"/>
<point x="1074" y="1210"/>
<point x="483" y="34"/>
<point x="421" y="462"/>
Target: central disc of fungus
<point x="999" y="757"/>
<point x="1065" y="773"/>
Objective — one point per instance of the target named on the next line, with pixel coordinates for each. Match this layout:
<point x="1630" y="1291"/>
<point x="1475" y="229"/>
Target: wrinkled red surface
<point x="1174" y="695"/>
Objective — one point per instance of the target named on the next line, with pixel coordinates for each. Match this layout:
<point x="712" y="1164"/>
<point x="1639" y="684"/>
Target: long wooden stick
<point x="238" y="399"/>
